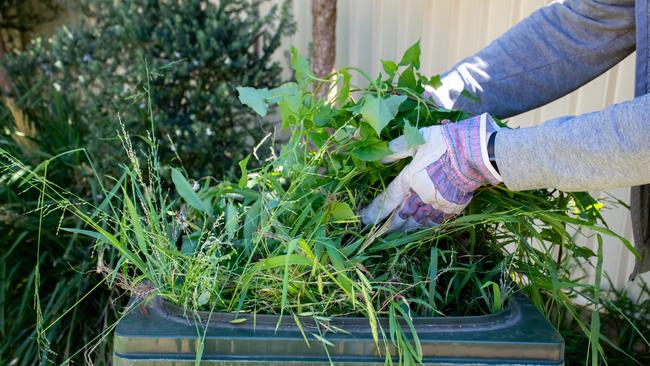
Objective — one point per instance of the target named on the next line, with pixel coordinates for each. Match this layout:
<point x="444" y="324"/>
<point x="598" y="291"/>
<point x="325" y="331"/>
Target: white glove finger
<point x="387" y="201"/>
<point x="411" y="225"/>
<point x="399" y="149"/>
<point x="399" y="146"/>
<point x="396" y="224"/>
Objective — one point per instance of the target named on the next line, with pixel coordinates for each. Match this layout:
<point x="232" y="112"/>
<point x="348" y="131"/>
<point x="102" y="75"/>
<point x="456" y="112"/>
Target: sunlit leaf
<point x="412" y="135"/>
<point x="254" y="98"/>
<point x="378" y="112"/>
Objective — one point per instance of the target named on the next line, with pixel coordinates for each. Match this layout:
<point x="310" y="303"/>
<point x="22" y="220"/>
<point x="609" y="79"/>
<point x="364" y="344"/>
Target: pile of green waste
<point x="286" y="238"/>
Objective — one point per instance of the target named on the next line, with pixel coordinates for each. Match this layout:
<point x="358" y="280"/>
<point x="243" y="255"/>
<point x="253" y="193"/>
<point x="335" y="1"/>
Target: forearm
<point x="549" y="54"/>
<point x="605" y="149"/>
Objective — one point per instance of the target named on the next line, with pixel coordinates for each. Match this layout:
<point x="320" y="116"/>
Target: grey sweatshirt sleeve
<point x="554" y="51"/>
<point x="593" y="151"/>
<point x="557" y="49"/>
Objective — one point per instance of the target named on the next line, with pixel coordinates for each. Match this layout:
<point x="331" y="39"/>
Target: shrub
<point x="197" y="52"/>
<point x="69" y="91"/>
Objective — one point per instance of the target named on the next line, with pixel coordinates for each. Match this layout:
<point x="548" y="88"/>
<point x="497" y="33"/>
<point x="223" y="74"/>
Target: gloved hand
<point x="440" y="180"/>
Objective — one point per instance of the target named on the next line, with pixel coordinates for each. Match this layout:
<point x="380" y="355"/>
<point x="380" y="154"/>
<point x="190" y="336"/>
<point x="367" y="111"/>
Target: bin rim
<point x="357" y="324"/>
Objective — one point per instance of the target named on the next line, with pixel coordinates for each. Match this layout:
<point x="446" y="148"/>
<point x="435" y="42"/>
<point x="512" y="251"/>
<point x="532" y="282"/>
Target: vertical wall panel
<point x="370" y="30"/>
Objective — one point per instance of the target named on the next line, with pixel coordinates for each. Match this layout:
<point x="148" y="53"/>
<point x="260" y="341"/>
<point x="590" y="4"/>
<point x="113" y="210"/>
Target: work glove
<point x="440" y="180"/>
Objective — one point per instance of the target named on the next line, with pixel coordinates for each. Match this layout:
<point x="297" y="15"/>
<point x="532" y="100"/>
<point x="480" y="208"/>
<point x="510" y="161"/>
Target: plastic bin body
<point x="158" y="334"/>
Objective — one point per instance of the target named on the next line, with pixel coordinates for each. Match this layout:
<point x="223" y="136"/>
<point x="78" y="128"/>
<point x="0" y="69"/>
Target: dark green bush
<point x="197" y="52"/>
<point x="70" y="90"/>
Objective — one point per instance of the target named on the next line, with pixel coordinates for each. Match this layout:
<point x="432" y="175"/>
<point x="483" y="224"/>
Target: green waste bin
<point x="159" y="334"/>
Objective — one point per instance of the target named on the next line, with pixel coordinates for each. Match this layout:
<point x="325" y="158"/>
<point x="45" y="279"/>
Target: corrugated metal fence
<point x="370" y="30"/>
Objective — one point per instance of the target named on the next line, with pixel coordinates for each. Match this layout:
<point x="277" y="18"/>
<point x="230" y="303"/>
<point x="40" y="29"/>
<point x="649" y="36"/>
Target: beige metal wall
<point x="370" y="30"/>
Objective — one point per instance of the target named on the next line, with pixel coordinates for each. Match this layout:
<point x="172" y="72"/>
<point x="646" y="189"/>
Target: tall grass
<point x="50" y="296"/>
<point x="285" y="238"/>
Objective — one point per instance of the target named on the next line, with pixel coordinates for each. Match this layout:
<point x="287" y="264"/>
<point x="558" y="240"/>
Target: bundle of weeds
<point x="285" y="239"/>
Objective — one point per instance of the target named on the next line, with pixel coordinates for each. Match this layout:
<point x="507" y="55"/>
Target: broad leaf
<point x="412" y="56"/>
<point x="407" y="79"/>
<point x="341" y="211"/>
<point x="412" y="135"/>
<point x="435" y="81"/>
<point x="390" y="67"/>
<point x="323" y="116"/>
<point x="243" y="179"/>
<point x="185" y="190"/>
<point x="344" y="89"/>
<point x="287" y="95"/>
<point x="378" y="111"/>
<point x="254" y="98"/>
<point x="373" y="152"/>
<point x="300" y="66"/>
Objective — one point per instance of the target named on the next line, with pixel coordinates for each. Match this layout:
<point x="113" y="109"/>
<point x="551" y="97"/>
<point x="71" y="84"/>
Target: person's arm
<point x="557" y="49"/>
<point x="593" y="151"/>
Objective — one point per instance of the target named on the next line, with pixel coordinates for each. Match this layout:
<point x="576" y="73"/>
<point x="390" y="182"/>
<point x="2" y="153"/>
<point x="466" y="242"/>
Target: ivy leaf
<point x="243" y="179"/>
<point x="378" y="112"/>
<point x="413" y="136"/>
<point x="323" y="117"/>
<point x="435" y="81"/>
<point x="300" y="65"/>
<point x="344" y="91"/>
<point x="412" y="56"/>
<point x="407" y="79"/>
<point x="286" y="91"/>
<point x="254" y="98"/>
<point x="390" y="67"/>
<point x="371" y="152"/>
<point x="341" y="211"/>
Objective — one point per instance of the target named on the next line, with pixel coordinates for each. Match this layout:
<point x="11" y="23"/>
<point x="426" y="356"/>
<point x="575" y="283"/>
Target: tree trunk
<point x="323" y="30"/>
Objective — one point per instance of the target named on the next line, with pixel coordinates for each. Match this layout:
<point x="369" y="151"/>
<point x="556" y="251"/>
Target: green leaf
<point x="251" y="223"/>
<point x="344" y="90"/>
<point x="185" y="190"/>
<point x="238" y="320"/>
<point x="390" y="67"/>
<point x="323" y="116"/>
<point x="372" y="152"/>
<point x="188" y="247"/>
<point x="341" y="211"/>
<point x="291" y="246"/>
<point x="254" y="98"/>
<point x="232" y="219"/>
<point x="378" y="112"/>
<point x="243" y="179"/>
<point x="287" y="95"/>
<point x="435" y="81"/>
<point x="300" y="66"/>
<point x="203" y="298"/>
<point x="412" y="56"/>
<point x="413" y="136"/>
<point x="134" y="219"/>
<point x="407" y="79"/>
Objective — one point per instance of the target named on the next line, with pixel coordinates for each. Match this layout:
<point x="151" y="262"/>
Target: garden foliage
<point x="199" y="52"/>
<point x="285" y="238"/>
<point x="69" y="92"/>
